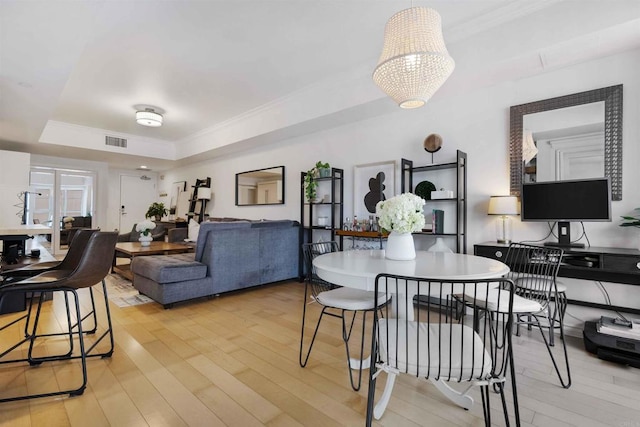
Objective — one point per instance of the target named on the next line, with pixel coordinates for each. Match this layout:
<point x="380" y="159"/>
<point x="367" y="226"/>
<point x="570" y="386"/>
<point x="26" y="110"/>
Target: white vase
<point x="400" y="247"/>
<point x="440" y="246"/>
<point x="145" y="240"/>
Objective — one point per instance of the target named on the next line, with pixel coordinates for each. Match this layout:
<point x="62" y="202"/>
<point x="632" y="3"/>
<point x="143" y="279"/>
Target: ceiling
<point x="229" y="74"/>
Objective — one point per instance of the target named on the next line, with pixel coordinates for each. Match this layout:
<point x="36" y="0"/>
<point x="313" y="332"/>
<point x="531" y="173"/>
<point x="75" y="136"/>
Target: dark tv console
<point x="617" y="265"/>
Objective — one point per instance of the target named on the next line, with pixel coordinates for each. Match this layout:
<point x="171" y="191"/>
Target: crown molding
<point x="500" y="15"/>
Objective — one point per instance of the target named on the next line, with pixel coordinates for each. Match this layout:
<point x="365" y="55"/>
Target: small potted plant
<point x="320" y="170"/>
<point x="632" y="221"/>
<point x="156" y="210"/>
<point x="324" y="170"/>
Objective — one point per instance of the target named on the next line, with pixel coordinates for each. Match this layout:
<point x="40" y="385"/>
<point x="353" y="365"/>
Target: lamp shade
<point x="503" y="205"/>
<point x="204" y="193"/>
<point x="148" y="117"/>
<point x="414" y="62"/>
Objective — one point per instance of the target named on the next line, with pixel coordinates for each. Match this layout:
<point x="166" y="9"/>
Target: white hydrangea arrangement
<point x="402" y="214"/>
<point x="145" y="227"/>
<point x="67" y="219"/>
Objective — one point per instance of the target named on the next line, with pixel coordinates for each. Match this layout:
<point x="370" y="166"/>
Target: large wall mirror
<point x="576" y="136"/>
<point x="260" y="187"/>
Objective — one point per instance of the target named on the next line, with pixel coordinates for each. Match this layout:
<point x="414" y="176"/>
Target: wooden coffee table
<point x="134" y="249"/>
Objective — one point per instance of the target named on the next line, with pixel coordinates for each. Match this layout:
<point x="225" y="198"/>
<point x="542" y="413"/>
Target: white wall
<point x="477" y="123"/>
<point x="14" y="179"/>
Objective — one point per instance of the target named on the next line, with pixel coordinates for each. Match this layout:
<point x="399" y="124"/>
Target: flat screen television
<point x="565" y="202"/>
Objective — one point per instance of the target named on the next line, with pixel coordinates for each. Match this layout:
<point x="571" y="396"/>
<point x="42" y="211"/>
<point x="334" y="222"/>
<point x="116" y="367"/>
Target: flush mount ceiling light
<point x="414" y="62"/>
<point x="149" y="117"/>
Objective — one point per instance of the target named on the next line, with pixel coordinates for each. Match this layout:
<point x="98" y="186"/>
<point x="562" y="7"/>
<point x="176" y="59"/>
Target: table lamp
<point x="503" y="206"/>
<point x="204" y="195"/>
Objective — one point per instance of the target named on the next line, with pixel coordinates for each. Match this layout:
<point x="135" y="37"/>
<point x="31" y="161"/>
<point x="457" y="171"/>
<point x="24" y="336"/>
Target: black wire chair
<point x="534" y="270"/>
<point x="453" y="337"/>
<point x="92" y="268"/>
<point x="337" y="302"/>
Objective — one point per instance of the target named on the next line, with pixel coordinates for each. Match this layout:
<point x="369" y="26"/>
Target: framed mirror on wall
<point x="577" y="136"/>
<point x="179" y="201"/>
<point x="260" y="187"/>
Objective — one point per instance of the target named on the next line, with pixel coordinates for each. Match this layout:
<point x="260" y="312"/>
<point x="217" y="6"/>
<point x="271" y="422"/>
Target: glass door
<point x="65" y="201"/>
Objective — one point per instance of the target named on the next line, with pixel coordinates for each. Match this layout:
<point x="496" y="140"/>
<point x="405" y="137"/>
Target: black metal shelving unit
<point x="460" y="199"/>
<point x="333" y="209"/>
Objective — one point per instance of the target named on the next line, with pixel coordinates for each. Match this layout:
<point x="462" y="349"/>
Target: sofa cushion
<point x="169" y="268"/>
<point x="207" y="227"/>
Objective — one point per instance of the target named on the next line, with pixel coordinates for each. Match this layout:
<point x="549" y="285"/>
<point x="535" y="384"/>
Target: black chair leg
<point x="371" y="393"/>
<point x="514" y="388"/>
<point x="566" y="383"/>
<point x="305" y="358"/>
<point x="74" y="391"/>
<point x="486" y="407"/>
<point x="109" y="330"/>
<point x="346" y="336"/>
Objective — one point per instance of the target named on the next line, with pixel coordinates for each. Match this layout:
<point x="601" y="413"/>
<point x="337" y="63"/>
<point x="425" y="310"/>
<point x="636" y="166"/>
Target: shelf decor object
<point x="424" y="189"/>
<point x="414" y="62"/>
<point x="432" y="144"/>
<point x="439" y="246"/>
<point x="504" y="206"/>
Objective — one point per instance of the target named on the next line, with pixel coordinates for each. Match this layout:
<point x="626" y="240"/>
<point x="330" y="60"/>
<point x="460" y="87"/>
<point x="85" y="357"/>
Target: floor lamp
<point x="204" y="195"/>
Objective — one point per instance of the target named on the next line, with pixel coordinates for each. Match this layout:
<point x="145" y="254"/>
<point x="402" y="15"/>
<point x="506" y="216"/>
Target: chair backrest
<point x="309" y="252"/>
<point x="76" y="249"/>
<point x="534" y="270"/>
<point x="95" y="262"/>
<point x="451" y="336"/>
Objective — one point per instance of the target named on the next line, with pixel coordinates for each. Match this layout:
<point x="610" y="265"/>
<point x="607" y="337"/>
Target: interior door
<point x="136" y="194"/>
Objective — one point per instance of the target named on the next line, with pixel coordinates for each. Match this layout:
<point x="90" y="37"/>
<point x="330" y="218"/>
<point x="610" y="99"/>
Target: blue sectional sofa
<point x="228" y="256"/>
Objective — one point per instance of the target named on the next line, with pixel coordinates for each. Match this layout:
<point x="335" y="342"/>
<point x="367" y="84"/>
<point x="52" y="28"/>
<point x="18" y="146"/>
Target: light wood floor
<point x="233" y="360"/>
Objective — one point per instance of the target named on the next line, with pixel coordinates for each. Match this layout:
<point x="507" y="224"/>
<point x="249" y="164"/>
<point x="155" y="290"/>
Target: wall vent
<point x="115" y="141"/>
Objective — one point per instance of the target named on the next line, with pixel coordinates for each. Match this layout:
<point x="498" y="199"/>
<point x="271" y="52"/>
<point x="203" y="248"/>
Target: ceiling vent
<point x="115" y="141"/>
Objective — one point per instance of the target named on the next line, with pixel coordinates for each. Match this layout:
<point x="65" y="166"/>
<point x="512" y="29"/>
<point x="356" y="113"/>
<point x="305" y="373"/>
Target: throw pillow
<point x="194" y="229"/>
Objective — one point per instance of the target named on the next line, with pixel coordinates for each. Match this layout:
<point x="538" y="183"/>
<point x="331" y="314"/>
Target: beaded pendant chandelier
<point x="414" y="62"/>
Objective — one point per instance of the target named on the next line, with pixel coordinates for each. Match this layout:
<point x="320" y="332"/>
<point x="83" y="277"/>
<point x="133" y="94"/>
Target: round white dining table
<point x="358" y="269"/>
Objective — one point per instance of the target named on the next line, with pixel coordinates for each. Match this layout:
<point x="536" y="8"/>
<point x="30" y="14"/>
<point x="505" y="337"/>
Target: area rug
<point x="122" y="293"/>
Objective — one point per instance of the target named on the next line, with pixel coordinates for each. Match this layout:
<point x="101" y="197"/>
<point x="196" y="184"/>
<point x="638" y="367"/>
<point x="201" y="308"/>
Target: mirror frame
<point x="258" y="170"/>
<point x="612" y="97"/>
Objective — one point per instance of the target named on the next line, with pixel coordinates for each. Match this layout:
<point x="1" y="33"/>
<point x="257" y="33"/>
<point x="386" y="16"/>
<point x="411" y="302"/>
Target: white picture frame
<point x="362" y="178"/>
